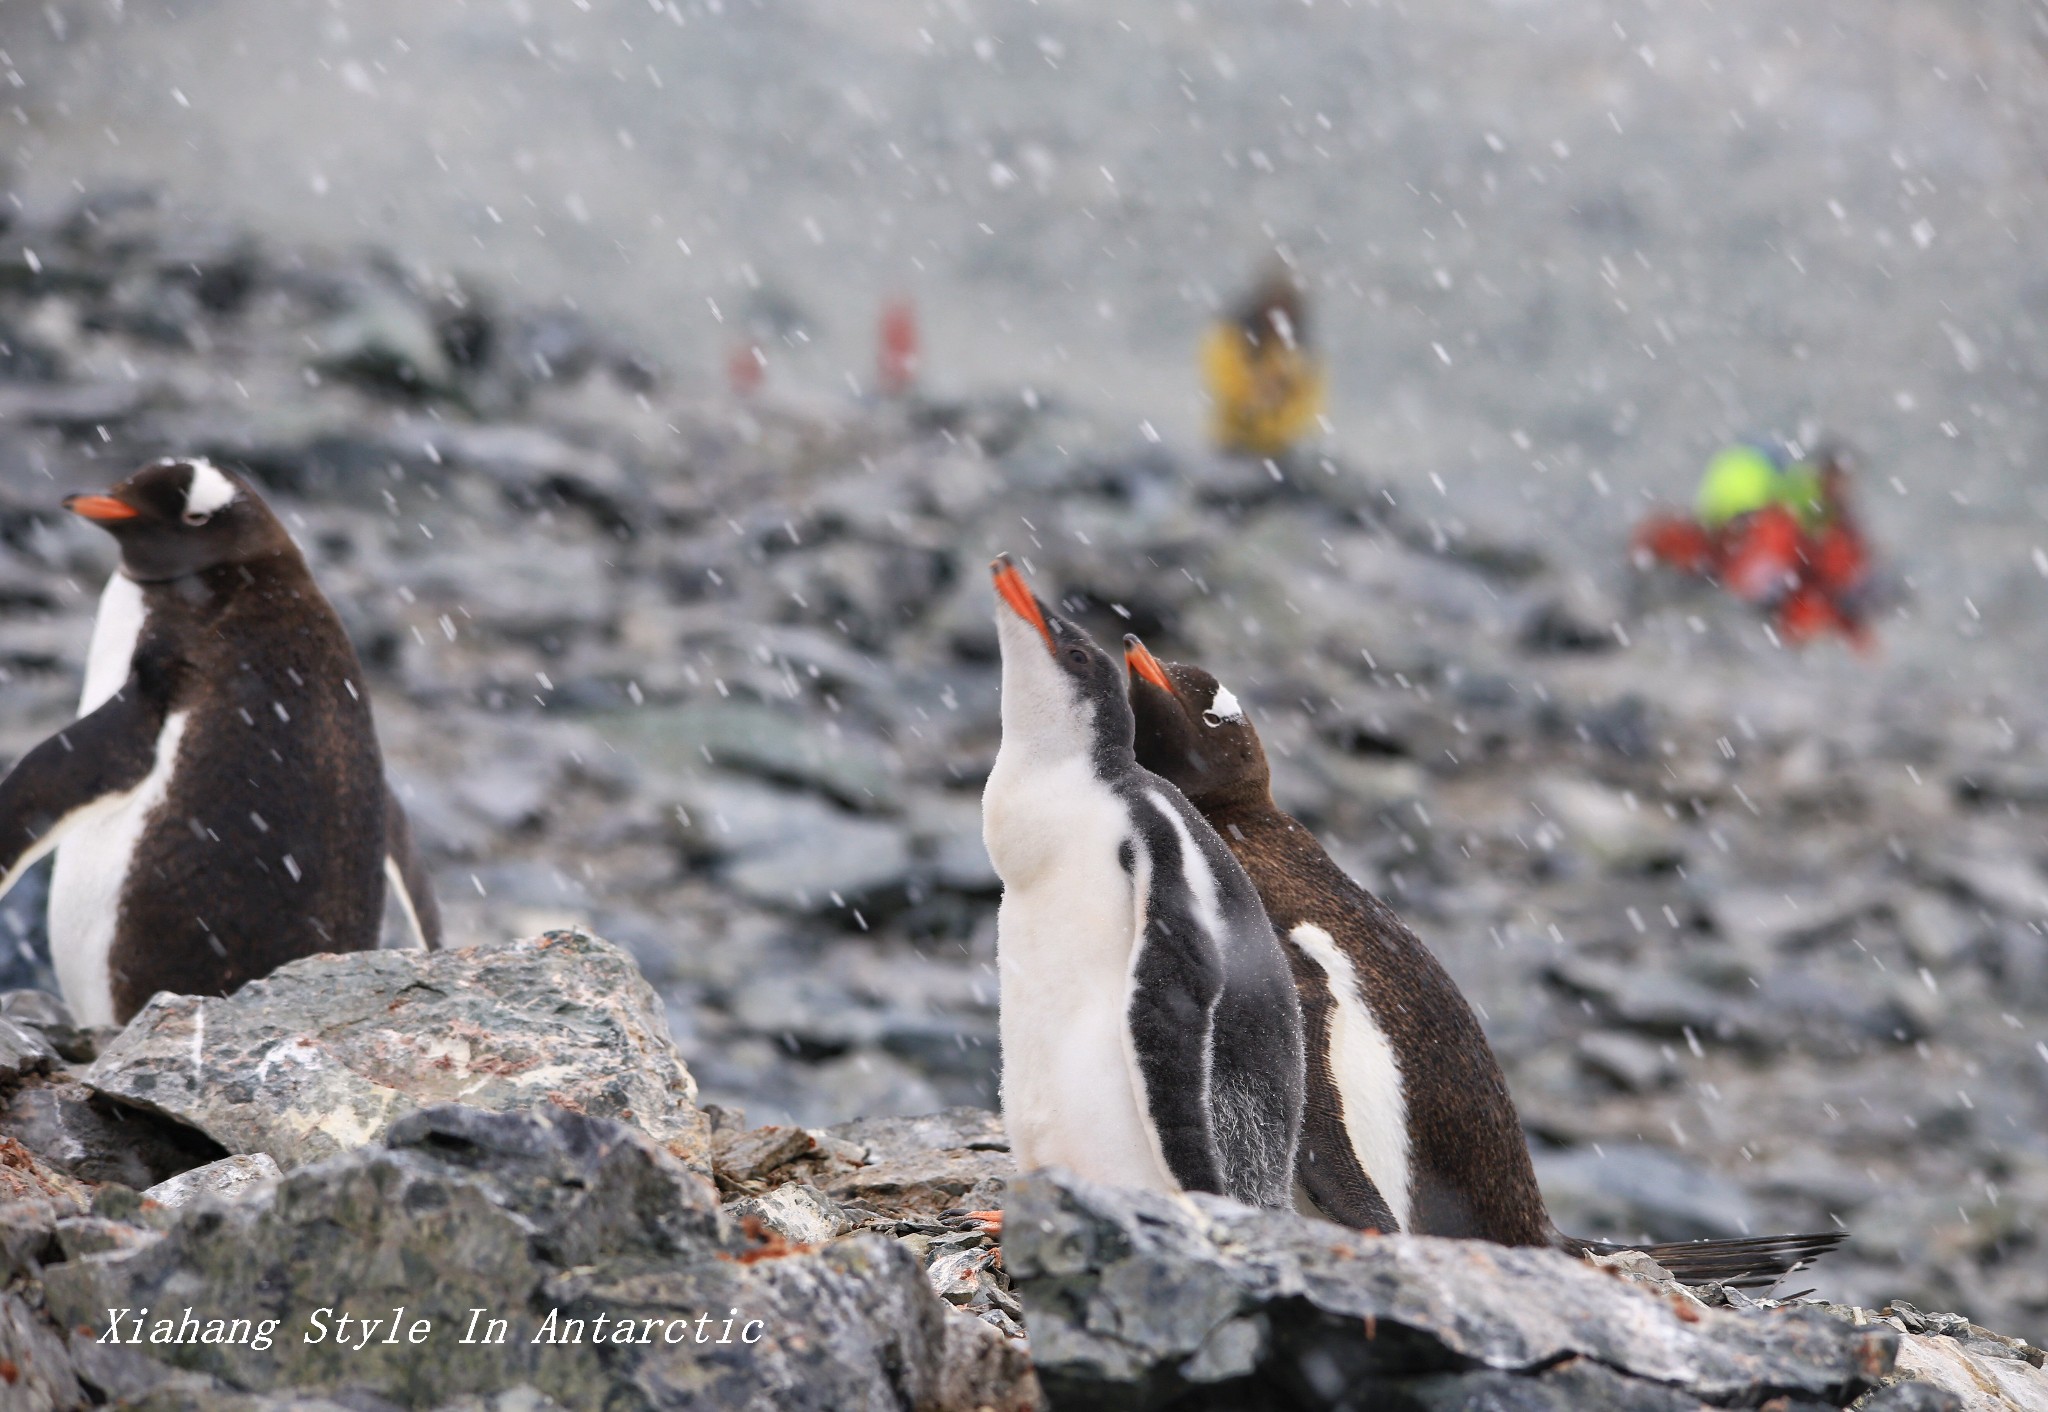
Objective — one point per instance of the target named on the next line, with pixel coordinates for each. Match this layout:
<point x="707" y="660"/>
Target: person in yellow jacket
<point x="1265" y="382"/>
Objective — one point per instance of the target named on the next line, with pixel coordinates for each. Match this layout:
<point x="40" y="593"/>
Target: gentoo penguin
<point x="1403" y="1089"/>
<point x="219" y="807"/>
<point x="1150" y="1032"/>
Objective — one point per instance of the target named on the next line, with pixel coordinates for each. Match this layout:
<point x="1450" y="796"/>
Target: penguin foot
<point x="990" y="1222"/>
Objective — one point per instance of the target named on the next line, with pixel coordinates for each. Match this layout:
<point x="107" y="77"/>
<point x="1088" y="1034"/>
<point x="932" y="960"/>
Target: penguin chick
<point x="1265" y="382"/>
<point x="219" y="807"/>
<point x="1151" y="1036"/>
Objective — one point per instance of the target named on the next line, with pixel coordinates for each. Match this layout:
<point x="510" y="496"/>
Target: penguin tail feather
<point x="1756" y="1262"/>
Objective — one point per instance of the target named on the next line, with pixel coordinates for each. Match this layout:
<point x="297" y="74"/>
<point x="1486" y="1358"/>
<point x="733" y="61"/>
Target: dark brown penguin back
<point x="269" y="845"/>
<point x="1470" y="1173"/>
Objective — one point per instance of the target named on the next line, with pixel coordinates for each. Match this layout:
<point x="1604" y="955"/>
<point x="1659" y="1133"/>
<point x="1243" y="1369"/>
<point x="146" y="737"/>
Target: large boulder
<point x="325" y="1053"/>
<point x="547" y="1221"/>
<point x="1136" y="1300"/>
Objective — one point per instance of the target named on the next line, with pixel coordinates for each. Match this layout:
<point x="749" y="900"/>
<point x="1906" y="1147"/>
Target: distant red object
<point x="1678" y="543"/>
<point x="1809" y="580"/>
<point x="1761" y="555"/>
<point x="897" y="358"/>
<point x="745" y="367"/>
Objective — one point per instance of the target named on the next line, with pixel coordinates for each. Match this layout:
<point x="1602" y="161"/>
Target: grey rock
<point x="28" y="1232"/>
<point x="956" y="1157"/>
<point x="1619" y="831"/>
<point x="1135" y="1299"/>
<point x="798" y="1213"/>
<point x="1632" y="1188"/>
<point x="1934" y="928"/>
<point x="518" y="1399"/>
<point x="131" y="1378"/>
<point x="824" y="853"/>
<point x="325" y="1053"/>
<point x="1757" y="918"/>
<point x="532" y="1217"/>
<point x="1656" y="1001"/>
<point x="76" y="406"/>
<point x="746" y="1159"/>
<point x="1576" y="1385"/>
<point x="95" y="1139"/>
<point x="530" y="461"/>
<point x="44" y="1013"/>
<point x="39" y="1376"/>
<point x="190" y="1393"/>
<point x="1630" y="1063"/>
<point x="2002" y="880"/>
<point x="231" y="1177"/>
<point x="949" y="835"/>
<point x="1911" y="1395"/>
<point x="790" y="850"/>
<point x="26" y="1177"/>
<point x="79" y="1236"/>
<point x="23" y="1051"/>
<point x="385" y="340"/>
<point x="533" y="597"/>
<point x="784" y="746"/>
<point x="1982" y="1375"/>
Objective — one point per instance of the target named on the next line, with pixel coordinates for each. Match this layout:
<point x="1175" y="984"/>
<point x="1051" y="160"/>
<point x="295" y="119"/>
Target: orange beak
<point x="101" y="509"/>
<point x="1011" y="588"/>
<point x="1142" y="662"/>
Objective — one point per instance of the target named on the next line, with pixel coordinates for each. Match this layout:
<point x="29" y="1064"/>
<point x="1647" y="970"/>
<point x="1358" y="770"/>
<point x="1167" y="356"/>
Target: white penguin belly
<point x="92" y="868"/>
<point x="1064" y="935"/>
<point x="1367" y="1073"/>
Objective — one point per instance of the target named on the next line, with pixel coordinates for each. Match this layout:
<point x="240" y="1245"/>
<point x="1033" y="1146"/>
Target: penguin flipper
<point x="56" y="786"/>
<point x="1329" y="1172"/>
<point x="407" y="877"/>
<point x="1176" y="977"/>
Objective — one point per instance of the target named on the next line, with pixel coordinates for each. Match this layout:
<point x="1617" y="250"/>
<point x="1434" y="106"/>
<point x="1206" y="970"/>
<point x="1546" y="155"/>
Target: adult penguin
<point x="1151" y="1036"/>
<point x="1402" y="1084"/>
<point x="219" y="807"/>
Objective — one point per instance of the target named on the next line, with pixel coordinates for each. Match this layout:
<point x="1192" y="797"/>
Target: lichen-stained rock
<point x="324" y="1054"/>
<point x="542" y="1220"/>
<point x="928" y="1163"/>
<point x="23" y="1051"/>
<point x="1134" y="1299"/>
<point x="24" y="1177"/>
<point x="28" y="1232"/>
<point x="229" y="1177"/>
<point x="35" y="1370"/>
<point x="1983" y="1374"/>
<point x="923" y="1164"/>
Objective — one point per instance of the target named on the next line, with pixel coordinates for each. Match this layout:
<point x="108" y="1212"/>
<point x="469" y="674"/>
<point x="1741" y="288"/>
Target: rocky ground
<point x="1757" y="936"/>
<point x="574" y="1234"/>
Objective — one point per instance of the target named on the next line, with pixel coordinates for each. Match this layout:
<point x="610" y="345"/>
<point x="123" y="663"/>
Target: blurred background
<point x="649" y="383"/>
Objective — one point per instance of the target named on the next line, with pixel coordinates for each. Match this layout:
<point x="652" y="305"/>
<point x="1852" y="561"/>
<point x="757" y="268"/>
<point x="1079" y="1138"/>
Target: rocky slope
<point x="529" y="1254"/>
<point x="1757" y="937"/>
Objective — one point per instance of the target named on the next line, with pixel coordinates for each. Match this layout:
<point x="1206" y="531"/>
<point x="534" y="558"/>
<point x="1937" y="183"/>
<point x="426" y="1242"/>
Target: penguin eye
<point x="195" y="518"/>
<point x="1211" y="719"/>
<point x="1078" y="656"/>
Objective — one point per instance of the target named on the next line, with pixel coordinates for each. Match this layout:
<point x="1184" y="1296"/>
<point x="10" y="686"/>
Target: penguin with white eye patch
<point x="1151" y="1037"/>
<point x="219" y="807"/>
<point x="1409" y="1125"/>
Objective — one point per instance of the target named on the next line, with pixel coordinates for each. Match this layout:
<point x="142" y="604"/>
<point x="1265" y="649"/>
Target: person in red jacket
<point x="1780" y="537"/>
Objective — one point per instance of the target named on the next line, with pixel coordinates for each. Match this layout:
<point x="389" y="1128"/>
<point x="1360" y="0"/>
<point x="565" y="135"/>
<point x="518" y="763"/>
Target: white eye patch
<point x="1225" y="707"/>
<point x="209" y="491"/>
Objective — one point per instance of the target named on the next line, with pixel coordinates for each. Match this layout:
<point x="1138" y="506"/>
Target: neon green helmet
<point x="1739" y="480"/>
